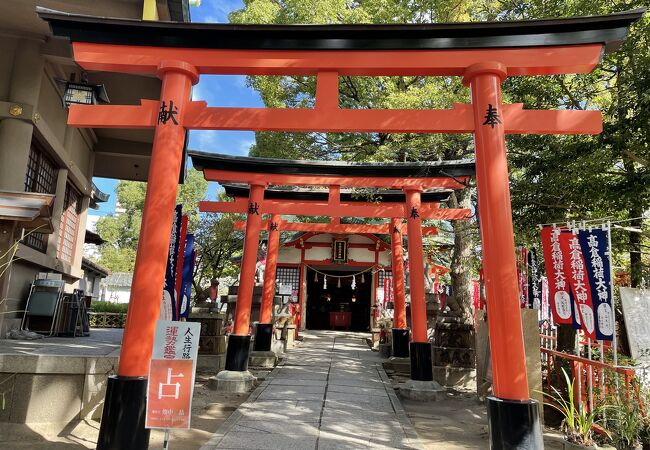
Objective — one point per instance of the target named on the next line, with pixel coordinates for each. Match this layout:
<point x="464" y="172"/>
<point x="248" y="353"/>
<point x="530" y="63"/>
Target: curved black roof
<point x="609" y="30"/>
<point x="421" y="169"/>
<point x="387" y="195"/>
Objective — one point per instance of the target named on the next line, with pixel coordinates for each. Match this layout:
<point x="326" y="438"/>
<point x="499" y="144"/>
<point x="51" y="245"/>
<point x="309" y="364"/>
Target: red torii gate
<point x="409" y="203"/>
<point x="306" y="200"/>
<point x="484" y="54"/>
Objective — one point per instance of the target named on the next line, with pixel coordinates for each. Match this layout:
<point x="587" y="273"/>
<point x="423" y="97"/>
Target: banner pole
<point x="579" y="368"/>
<point x="602" y="379"/>
<point x="590" y="378"/>
<point x="611" y="290"/>
<point x="166" y="440"/>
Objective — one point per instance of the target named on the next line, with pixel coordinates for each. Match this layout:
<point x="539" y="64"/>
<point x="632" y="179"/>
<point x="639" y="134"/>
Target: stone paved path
<point x="330" y="393"/>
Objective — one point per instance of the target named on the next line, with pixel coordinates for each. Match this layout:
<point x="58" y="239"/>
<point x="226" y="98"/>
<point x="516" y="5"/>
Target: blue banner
<point x="594" y="245"/>
<point x="168" y="307"/>
<point x="188" y="272"/>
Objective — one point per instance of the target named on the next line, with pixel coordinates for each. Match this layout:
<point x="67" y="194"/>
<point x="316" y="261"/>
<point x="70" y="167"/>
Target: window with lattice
<point x="289" y="275"/>
<point x="69" y="224"/>
<point x="40" y="177"/>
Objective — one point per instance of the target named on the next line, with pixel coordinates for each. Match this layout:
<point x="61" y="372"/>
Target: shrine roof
<point x="390" y="196"/>
<point x="420" y="169"/>
<point x="608" y="30"/>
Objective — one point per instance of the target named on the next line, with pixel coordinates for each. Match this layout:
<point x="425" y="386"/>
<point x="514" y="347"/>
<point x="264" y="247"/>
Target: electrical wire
<point x="601" y="221"/>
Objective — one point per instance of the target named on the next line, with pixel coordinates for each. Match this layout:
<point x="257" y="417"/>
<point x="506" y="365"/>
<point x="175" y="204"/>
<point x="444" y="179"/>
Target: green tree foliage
<point x="372" y="92"/>
<point x="560" y="178"/>
<point x="122" y="231"/>
<point x="216" y="243"/>
<point x="553" y="178"/>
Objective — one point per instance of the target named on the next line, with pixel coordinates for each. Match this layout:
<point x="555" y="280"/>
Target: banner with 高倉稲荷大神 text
<point x="596" y="254"/>
<point x="557" y="273"/>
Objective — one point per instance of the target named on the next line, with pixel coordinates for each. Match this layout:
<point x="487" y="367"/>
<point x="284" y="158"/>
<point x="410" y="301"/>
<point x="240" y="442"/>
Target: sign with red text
<point x="171" y="374"/>
<point x="557" y="271"/>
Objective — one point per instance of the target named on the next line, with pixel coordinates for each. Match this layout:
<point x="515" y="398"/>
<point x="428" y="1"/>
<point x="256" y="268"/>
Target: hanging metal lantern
<point x="82" y="93"/>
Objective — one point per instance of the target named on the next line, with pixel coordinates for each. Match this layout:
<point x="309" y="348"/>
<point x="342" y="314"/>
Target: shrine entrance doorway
<point x="340" y="306"/>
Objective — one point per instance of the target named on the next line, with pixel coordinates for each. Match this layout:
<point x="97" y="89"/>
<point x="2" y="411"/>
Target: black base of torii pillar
<point x="124" y="413"/>
<point x="401" y="339"/>
<point x="263" y="337"/>
<point x="514" y="425"/>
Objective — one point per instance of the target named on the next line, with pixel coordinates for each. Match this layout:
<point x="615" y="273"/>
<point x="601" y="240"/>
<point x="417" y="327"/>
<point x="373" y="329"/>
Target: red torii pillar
<point x="510" y="406"/>
<point x="264" y="329"/>
<point x="238" y="349"/>
<point x="125" y="391"/>
<point x="401" y="333"/>
<point x="420" y="348"/>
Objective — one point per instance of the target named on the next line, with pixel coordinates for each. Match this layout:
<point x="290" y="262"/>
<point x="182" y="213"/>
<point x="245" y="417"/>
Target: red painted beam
<point x="346" y="228"/>
<point x="427" y="211"/>
<point x="226" y="176"/>
<point x="328" y="118"/>
<point x="518" y="61"/>
<point x="459" y="119"/>
<point x="144" y="115"/>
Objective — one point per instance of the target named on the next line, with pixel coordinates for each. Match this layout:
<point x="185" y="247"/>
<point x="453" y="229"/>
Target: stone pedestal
<point x="453" y="344"/>
<point x="211" y="363"/>
<point x="375" y="336"/>
<point x="455" y="377"/>
<point x="289" y="336"/>
<point x="265" y="359"/>
<point x="212" y="340"/>
<point x="232" y="381"/>
<point x="423" y="391"/>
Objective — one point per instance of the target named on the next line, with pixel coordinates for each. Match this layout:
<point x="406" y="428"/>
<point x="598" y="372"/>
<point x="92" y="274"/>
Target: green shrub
<point x="99" y="306"/>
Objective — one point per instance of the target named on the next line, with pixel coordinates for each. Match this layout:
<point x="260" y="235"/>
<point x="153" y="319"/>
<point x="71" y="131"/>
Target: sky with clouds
<point x="217" y="90"/>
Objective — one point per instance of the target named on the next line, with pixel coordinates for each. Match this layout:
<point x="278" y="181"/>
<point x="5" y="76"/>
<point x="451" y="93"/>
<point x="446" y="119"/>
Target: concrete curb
<point x="405" y="422"/>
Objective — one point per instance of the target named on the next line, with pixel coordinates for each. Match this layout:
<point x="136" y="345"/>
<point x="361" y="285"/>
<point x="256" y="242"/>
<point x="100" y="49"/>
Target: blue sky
<point x="217" y="90"/>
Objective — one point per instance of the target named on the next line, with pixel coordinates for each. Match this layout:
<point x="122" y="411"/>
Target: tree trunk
<point x="461" y="276"/>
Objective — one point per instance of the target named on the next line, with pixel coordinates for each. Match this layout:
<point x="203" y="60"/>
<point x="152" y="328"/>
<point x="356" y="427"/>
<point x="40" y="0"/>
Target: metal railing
<point x="107" y="319"/>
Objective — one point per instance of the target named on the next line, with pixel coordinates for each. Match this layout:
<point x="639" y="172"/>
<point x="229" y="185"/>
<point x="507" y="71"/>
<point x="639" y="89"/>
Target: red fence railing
<point x="593" y="379"/>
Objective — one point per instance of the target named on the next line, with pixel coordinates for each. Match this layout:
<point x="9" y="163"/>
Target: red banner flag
<point x="579" y="282"/>
<point x="557" y="272"/>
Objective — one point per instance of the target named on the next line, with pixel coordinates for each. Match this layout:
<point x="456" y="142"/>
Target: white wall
<point x="115" y="294"/>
